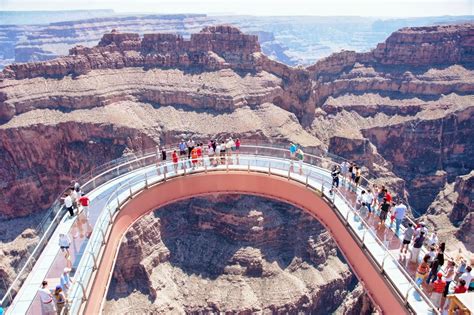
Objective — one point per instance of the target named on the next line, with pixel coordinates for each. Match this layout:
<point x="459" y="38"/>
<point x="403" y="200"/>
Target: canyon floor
<point x="231" y="254"/>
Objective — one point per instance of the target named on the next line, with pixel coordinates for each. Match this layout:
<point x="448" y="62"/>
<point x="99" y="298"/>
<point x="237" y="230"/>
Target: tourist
<point x="64" y="243"/>
<point x="344" y="169"/>
<point x="407" y="237"/>
<point x="422" y="270"/>
<point x="300" y="158"/>
<point x="421" y="228"/>
<point x="433" y="239"/>
<point x="461" y="266"/>
<point x="182" y="148"/>
<point x="432" y="254"/>
<point x="335" y="178"/>
<point x="352" y="172"/>
<point x="222" y="153"/>
<point x="163" y="154"/>
<point x="461" y="287"/>
<point x="1" y="310"/>
<point x="467" y="277"/>
<point x="449" y="276"/>
<point x="437" y="263"/>
<point x="60" y="299"/>
<point x="388" y="196"/>
<point x="210" y="154"/>
<point x="360" y="199"/>
<point x="237" y="145"/>
<point x="46" y="298"/>
<point x="380" y="197"/>
<point x="175" y="159"/>
<point x="358" y="175"/>
<point x="369" y="199"/>
<point x="190" y="144"/>
<point x="384" y="208"/>
<point x="293" y="149"/>
<point x="214" y="146"/>
<point x="400" y="211"/>
<point x="417" y="244"/>
<point x="84" y="202"/>
<point x="217" y="152"/>
<point x="194" y="157"/>
<point x="65" y="280"/>
<point x="230" y="146"/>
<point x="68" y="204"/>
<point x="438" y="289"/>
<point x="199" y="154"/>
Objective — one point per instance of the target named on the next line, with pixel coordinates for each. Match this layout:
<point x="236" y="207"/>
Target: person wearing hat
<point x="59" y="298"/>
<point x="438" y="289"/>
<point x="46" y="298"/>
<point x="65" y="280"/>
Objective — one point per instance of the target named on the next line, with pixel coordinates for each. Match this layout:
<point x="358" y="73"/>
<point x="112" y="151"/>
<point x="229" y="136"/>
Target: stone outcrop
<point x="451" y="213"/>
<point x="213" y="48"/>
<point x="228" y="254"/>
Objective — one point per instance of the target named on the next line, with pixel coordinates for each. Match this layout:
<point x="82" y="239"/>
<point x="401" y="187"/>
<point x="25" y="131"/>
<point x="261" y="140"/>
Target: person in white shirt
<point x="433" y="240"/>
<point x="369" y="199"/>
<point x="218" y="150"/>
<point x="69" y="204"/>
<point x="64" y="243"/>
<point x="467" y="276"/>
<point x="46" y="298"/>
<point x="399" y="212"/>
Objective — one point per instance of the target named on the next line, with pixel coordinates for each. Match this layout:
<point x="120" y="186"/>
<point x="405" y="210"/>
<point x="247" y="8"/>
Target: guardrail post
<point x="307" y="180"/>
<point x="289" y="173"/>
<point x="164" y="176"/>
<point x="248" y="167"/>
<point x="269" y="165"/>
<point x="363" y="237"/>
<point x="383" y="262"/>
<point x="95" y="261"/>
<point x="110" y="214"/>
<point x="118" y="170"/>
<point x="130" y="189"/>
<point x="205" y="167"/>
<point x="226" y="166"/>
<point x="84" y="297"/>
<point x="322" y="187"/>
<point x="146" y="181"/>
<point x="103" y="236"/>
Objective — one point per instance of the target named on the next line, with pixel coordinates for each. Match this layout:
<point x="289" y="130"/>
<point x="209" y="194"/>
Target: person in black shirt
<point x="335" y="178"/>
<point x="437" y="263"/>
<point x="384" y="208"/>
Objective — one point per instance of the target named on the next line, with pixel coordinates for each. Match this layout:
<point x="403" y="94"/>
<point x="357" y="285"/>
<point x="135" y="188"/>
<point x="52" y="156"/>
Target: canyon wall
<point x="229" y="253"/>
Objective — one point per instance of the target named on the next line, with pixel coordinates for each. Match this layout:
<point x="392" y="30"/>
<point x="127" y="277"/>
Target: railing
<point x="274" y="161"/>
<point x="119" y="167"/>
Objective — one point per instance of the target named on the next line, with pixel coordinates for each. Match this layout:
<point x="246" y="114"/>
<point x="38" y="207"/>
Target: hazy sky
<point x="401" y="8"/>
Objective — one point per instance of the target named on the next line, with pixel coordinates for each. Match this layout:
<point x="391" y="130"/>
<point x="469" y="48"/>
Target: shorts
<point x="406" y="242"/>
<point x="357" y="179"/>
<point x="353" y="176"/>
<point x="383" y="215"/>
<point x="182" y="152"/>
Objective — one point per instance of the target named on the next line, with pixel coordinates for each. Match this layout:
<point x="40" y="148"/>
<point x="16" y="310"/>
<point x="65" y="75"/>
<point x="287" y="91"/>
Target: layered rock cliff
<point x="405" y="118"/>
<point x="228" y="254"/>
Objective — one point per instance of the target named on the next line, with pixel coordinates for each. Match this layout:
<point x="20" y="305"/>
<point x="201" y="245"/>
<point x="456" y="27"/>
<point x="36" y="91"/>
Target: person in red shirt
<point x="438" y="289"/>
<point x="199" y="153"/>
<point x="461" y="287"/>
<point x="175" y="159"/>
<point x="84" y="202"/>
<point x="237" y="145"/>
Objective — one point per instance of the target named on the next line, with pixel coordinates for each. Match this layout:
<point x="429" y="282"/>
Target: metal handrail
<point x="130" y="191"/>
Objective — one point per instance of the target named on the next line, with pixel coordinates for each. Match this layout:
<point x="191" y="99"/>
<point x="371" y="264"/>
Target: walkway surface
<point x="381" y="243"/>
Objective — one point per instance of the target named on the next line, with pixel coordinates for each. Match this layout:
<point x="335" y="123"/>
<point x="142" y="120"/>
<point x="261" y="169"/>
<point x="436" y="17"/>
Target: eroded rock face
<point x="228" y="253"/>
